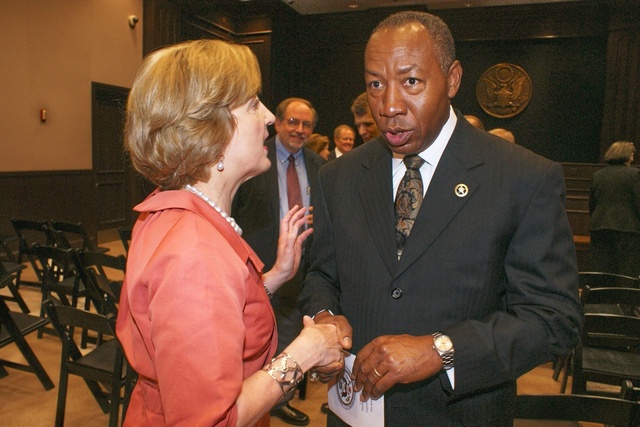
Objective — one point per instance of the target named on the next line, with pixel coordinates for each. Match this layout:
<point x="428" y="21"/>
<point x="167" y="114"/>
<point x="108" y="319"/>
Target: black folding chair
<point x="29" y="233"/>
<point x="14" y="326"/>
<point x="74" y="235"/>
<point x="609" y="351"/>
<point x="559" y="409"/>
<point x="104" y="369"/>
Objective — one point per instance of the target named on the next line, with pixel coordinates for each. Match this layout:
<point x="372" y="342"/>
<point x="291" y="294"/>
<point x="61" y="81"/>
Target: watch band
<point x="446" y="356"/>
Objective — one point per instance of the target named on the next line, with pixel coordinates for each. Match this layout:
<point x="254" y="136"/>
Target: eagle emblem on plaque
<point x="504" y="90"/>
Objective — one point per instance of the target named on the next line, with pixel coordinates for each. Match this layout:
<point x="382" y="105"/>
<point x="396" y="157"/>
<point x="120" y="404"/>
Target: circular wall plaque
<point x="504" y="90"/>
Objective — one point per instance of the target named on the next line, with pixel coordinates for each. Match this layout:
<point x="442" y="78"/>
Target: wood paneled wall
<point x="43" y="196"/>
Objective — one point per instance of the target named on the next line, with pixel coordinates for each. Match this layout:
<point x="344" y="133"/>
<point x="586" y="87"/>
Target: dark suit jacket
<point x="495" y="269"/>
<point x="256" y="208"/>
<point x="332" y="155"/>
<point x="614" y="203"/>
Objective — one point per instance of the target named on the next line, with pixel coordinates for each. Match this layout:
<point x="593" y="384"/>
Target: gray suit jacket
<point x="494" y="269"/>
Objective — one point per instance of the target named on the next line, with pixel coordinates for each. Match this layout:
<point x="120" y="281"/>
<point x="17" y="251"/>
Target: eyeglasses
<point x="295" y="123"/>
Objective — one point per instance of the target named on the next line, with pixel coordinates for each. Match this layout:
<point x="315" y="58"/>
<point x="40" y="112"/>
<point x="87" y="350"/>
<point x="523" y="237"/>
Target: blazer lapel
<point x="441" y="202"/>
<point x="271" y="177"/>
<point x="376" y="194"/>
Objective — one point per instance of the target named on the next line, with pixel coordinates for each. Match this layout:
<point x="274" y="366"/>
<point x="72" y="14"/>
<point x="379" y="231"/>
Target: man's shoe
<point x="290" y="415"/>
<point x="324" y="408"/>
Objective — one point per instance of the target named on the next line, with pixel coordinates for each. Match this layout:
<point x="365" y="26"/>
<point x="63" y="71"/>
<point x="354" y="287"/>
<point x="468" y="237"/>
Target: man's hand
<point x="394" y="359"/>
<point x="328" y="372"/>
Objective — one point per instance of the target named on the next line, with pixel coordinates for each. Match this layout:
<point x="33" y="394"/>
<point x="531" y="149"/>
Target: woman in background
<point x="319" y="144"/>
<point x="614" y="205"/>
<point x="195" y="320"/>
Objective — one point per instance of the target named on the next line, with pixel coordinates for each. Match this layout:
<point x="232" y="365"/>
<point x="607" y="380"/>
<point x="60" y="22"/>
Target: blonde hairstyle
<point x="619" y="153"/>
<point x="317" y="142"/>
<point x="179" y="120"/>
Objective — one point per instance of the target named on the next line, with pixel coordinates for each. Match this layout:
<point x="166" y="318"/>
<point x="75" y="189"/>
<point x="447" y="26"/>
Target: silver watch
<point x="444" y="346"/>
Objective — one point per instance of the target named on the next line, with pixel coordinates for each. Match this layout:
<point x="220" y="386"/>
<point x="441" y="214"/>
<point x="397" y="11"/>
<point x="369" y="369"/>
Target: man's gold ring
<point x="313" y="376"/>
<point x="376" y="373"/>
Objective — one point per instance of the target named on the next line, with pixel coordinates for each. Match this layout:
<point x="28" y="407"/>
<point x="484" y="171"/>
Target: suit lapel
<point x="271" y="178"/>
<point x="441" y="202"/>
<point x="376" y="195"/>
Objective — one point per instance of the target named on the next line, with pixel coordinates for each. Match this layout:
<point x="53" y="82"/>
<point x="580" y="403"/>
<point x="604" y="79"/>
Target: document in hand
<point x="346" y="404"/>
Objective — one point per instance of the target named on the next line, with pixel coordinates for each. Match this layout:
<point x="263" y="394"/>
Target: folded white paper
<point x="346" y="404"/>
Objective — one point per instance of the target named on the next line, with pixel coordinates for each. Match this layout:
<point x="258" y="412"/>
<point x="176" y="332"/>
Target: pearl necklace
<point x="211" y="203"/>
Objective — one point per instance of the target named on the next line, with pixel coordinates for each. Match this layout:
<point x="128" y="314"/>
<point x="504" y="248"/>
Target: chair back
<point x="105" y="364"/>
<point x="105" y="273"/>
<point x="125" y="237"/>
<point x="73" y="235"/>
<point x="104" y="295"/>
<point x="568" y="407"/>
<point x="32" y="232"/>
<point x="597" y="279"/>
<point x="617" y="300"/>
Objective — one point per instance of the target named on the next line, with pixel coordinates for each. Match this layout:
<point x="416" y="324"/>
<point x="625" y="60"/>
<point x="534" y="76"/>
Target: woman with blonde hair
<point x="614" y="205"/>
<point x="319" y="144"/>
<point x="195" y="320"/>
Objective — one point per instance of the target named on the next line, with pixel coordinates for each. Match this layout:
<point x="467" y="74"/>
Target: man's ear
<point x="454" y="78"/>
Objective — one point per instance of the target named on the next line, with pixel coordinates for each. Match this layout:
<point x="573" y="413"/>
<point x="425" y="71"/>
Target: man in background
<point x="362" y="118"/>
<point x="344" y="138"/>
<point x="504" y="134"/>
<point x="476" y="122"/>
<point x="262" y="201"/>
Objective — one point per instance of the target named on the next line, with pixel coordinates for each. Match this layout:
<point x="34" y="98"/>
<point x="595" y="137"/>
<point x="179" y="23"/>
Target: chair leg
<point x="131" y="380"/>
<point x="114" y="407"/>
<point x="29" y="355"/>
<point x="62" y="395"/>
<point x="17" y="297"/>
<point x="558" y="365"/>
<point x="302" y="388"/>
<point x="565" y="376"/>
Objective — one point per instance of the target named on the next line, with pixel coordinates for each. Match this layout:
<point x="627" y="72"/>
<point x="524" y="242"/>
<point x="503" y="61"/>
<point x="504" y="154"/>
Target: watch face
<point x="443" y="343"/>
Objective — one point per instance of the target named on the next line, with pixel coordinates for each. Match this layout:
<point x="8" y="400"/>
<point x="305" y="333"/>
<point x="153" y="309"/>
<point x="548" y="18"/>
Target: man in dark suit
<point x="362" y="118"/>
<point x="262" y="201"/>
<point x="343" y="138"/>
<point x="483" y="289"/>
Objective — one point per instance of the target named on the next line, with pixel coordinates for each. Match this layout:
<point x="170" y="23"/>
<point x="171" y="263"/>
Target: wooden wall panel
<point x="60" y="195"/>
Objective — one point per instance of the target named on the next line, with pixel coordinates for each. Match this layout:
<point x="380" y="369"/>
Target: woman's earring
<point x="220" y="165"/>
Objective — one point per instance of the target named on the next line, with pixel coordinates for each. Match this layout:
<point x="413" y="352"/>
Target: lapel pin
<point x="461" y="190"/>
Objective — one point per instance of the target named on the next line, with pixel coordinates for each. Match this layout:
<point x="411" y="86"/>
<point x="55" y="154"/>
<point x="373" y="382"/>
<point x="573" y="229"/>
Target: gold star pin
<point x="461" y="190"/>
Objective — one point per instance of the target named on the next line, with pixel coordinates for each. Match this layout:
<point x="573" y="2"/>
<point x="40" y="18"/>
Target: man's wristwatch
<point x="443" y="345"/>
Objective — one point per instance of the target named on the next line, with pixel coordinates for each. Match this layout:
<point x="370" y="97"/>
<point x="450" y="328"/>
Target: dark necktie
<point x="408" y="200"/>
<point x="294" y="195"/>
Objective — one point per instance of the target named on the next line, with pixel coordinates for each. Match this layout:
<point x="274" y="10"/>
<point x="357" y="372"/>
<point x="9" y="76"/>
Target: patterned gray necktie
<point x="408" y="200"/>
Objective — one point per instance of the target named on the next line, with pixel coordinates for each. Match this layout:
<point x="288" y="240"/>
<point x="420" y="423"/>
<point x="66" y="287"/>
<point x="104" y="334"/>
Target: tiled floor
<point x="24" y="402"/>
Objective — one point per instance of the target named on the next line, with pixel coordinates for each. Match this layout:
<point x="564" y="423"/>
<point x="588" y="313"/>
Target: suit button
<point x="396" y="293"/>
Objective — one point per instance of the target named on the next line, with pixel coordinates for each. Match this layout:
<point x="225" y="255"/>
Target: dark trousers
<point x="289" y="323"/>
<point x="615" y="252"/>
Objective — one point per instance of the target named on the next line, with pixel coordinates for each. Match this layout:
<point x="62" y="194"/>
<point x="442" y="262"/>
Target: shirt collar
<point x="432" y="154"/>
<point x="283" y="154"/>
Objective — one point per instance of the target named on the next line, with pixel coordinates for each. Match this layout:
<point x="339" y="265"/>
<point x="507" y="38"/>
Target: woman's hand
<point x="289" y="248"/>
<point x="317" y="345"/>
